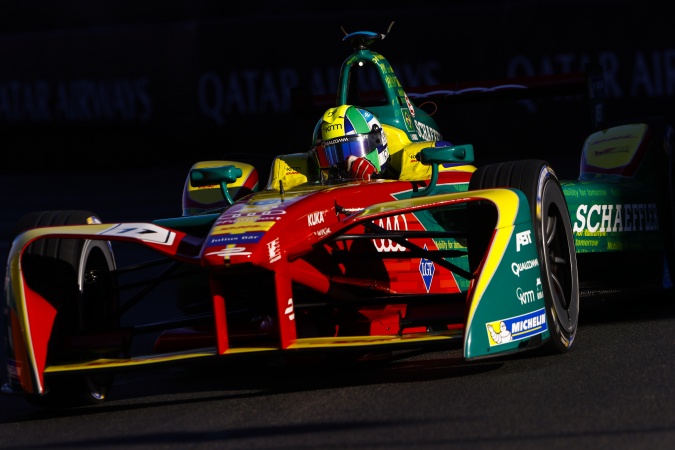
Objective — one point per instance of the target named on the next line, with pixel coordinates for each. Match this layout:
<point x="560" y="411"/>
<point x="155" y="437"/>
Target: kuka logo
<point x="315" y="218"/>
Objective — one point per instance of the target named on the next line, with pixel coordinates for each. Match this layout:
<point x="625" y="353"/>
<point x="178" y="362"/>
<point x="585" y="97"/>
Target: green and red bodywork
<point x="312" y="245"/>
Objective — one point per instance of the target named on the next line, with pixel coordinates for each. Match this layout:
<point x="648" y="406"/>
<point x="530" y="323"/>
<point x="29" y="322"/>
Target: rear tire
<point x="553" y="237"/>
<point x="74" y="275"/>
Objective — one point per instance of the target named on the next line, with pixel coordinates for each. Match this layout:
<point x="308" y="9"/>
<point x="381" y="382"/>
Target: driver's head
<point x="346" y="131"/>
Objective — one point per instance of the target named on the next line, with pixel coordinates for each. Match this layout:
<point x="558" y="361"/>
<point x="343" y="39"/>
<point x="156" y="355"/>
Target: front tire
<point x="75" y="275"/>
<point x="553" y="236"/>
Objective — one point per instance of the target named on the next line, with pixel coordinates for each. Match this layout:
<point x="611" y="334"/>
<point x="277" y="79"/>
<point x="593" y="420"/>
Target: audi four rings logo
<point x="393" y="223"/>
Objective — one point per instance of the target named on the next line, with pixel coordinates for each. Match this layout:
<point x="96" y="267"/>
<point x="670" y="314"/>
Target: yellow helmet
<point x="346" y="131"/>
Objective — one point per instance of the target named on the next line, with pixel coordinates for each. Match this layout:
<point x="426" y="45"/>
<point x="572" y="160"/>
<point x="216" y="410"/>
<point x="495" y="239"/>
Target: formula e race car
<point x="446" y="256"/>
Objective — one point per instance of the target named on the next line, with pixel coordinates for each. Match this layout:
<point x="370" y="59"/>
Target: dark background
<point x="107" y="84"/>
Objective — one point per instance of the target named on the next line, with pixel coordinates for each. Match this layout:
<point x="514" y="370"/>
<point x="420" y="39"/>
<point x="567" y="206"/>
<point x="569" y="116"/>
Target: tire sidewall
<point x="550" y="195"/>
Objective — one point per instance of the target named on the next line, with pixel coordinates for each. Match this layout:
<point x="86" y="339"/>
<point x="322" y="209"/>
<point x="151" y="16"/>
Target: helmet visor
<point x="334" y="153"/>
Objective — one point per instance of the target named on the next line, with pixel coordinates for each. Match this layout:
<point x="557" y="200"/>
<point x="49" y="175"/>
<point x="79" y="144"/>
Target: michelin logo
<point x="517" y="328"/>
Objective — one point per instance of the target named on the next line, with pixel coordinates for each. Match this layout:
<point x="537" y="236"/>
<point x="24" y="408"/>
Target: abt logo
<point x="523" y="238"/>
<point x="394" y="223"/>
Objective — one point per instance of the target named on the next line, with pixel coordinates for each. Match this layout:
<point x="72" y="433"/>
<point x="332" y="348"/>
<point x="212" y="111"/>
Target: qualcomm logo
<point x="519" y="267"/>
<point x="392" y="223"/>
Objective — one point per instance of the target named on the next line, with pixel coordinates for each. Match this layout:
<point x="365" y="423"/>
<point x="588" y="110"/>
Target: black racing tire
<point x="75" y="276"/>
<point x="553" y="237"/>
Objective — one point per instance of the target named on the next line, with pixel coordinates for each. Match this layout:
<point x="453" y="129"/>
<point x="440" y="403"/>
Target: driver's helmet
<point x="346" y="131"/>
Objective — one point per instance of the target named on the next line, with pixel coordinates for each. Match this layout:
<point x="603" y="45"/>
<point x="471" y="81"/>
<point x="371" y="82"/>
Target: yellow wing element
<point x="292" y="170"/>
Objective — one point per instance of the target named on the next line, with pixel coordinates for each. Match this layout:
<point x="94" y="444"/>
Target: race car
<point x="447" y="256"/>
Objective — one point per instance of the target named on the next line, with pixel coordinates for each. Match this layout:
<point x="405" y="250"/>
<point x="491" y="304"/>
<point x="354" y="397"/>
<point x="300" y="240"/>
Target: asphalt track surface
<point x="613" y="390"/>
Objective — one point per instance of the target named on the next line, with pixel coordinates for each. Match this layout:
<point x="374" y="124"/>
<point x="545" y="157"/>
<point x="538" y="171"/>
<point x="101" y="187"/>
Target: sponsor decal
<point x="269" y="215"/>
<point x="448" y="244"/>
<point x="289" y="310"/>
<point x="523" y="238"/>
<point x="341" y="140"/>
<point x="427" y="270"/>
<point x="516" y="328"/>
<point x="540" y="290"/>
<point x="391" y="80"/>
<point x="260" y="206"/>
<point x="427" y="133"/>
<point x="391" y="223"/>
<point x="142" y="231"/>
<point x="225" y="239"/>
<point x="383" y="156"/>
<point x="525" y="297"/>
<point x="204" y="188"/>
<point x="274" y="250"/>
<point x="328" y="127"/>
<point x="322" y="232"/>
<point x="619" y="217"/>
<point x="230" y="250"/>
<point x="264" y="202"/>
<point x="242" y="227"/>
<point x="242" y="220"/>
<point x="410" y="106"/>
<point x="527" y="265"/>
<point x="315" y="218"/>
<point x="295" y="170"/>
<point x="407" y="120"/>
